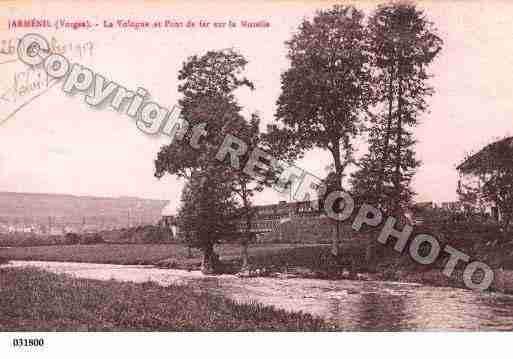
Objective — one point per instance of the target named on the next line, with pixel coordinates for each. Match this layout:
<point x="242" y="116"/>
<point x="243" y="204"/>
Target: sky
<point x="57" y="143"/>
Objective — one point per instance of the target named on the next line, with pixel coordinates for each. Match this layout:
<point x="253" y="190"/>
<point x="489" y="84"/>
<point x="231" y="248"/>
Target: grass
<point x="98" y="253"/>
<point x="134" y="253"/>
<point x="479" y="242"/>
<point x="275" y="256"/>
<point x="303" y="260"/>
<point x="33" y="300"/>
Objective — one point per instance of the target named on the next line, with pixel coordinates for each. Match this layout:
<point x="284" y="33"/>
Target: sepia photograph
<point x="343" y="167"/>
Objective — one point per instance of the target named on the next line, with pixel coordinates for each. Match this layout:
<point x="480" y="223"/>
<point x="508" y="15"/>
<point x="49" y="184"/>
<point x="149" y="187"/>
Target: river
<point x="351" y="305"/>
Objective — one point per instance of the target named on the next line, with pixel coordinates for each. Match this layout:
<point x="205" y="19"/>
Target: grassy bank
<point x="32" y="300"/>
<point x="480" y="242"/>
<point x="176" y="255"/>
<point x="98" y="253"/>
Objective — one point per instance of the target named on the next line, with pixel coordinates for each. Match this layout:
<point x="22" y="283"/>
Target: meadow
<point x="98" y="253"/>
<point x="169" y="255"/>
<point x="481" y="242"/>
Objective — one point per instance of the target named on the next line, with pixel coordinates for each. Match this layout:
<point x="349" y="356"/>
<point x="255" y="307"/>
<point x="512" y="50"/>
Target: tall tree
<point x="245" y="186"/>
<point x="325" y="90"/>
<point x="403" y="43"/>
<point x="208" y="105"/>
<point x="206" y="215"/>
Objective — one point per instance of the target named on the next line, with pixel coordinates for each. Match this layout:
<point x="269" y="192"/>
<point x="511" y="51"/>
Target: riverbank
<point x="345" y="305"/>
<point x="305" y="260"/>
<point x="174" y="254"/>
<point x="316" y="262"/>
<point x="34" y="300"/>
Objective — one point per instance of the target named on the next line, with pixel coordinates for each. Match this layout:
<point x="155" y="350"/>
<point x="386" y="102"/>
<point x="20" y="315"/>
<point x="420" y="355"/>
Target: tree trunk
<point x="247" y="235"/>
<point x="335" y="247"/>
<point x="371" y="253"/>
<point x="210" y="261"/>
<point x="399" y="134"/>
<point x="385" y="155"/>
<point x="504" y="225"/>
<point x="244" y="243"/>
<point x="244" y="255"/>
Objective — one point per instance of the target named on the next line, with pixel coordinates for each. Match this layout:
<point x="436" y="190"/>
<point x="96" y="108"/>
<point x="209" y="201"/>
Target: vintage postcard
<point x="273" y="166"/>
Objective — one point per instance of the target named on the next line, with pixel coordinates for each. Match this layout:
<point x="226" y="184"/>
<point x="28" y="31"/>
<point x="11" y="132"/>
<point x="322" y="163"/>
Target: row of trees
<point x="348" y="76"/>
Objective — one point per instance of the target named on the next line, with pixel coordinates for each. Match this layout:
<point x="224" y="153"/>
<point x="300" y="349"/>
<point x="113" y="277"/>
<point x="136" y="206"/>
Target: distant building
<point x="454" y="206"/>
<point x="481" y="168"/>
<point x="90" y="228"/>
<point x="4" y="228"/>
<point x="55" y="231"/>
<point x="424" y="205"/>
<point x="69" y="229"/>
<point x="267" y="217"/>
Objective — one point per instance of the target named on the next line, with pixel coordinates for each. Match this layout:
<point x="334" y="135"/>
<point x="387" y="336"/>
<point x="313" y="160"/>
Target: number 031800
<point x="22" y="342"/>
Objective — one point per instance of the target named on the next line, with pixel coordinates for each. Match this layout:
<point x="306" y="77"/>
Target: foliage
<point x="325" y="87"/>
<point x="402" y="44"/>
<point x="208" y="83"/>
<point x="139" y="234"/>
<point x="244" y="186"/>
<point x="72" y="238"/>
<point x="206" y="212"/>
<point x="325" y="90"/>
<point x="492" y="169"/>
<point x="208" y="105"/>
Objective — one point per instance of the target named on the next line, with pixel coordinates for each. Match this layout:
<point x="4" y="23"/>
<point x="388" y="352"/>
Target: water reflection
<point x="350" y="305"/>
<point x="378" y="312"/>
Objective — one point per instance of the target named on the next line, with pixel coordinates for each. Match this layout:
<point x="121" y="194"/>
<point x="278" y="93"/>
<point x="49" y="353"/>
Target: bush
<point x="93" y="238"/>
<point x="155" y="234"/>
<point x="29" y="240"/>
<point x="72" y="238"/>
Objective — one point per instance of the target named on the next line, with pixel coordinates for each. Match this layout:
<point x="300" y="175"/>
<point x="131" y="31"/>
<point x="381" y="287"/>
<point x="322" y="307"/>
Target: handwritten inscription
<point x="71" y="49"/>
<point x="26" y="83"/>
<point x="21" y="87"/>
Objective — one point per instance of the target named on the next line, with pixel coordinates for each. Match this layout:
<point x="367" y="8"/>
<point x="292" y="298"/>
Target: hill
<point x="25" y="209"/>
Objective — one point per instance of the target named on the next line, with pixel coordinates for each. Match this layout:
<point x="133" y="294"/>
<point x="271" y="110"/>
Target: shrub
<point x="29" y="240"/>
<point x="72" y="238"/>
<point x="93" y="238"/>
